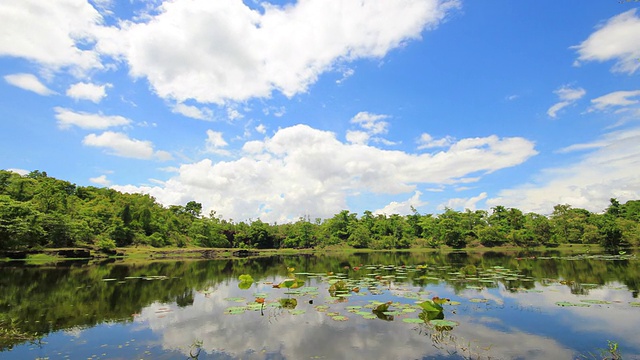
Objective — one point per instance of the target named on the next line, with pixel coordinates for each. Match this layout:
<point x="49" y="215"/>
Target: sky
<point x="284" y="109"/>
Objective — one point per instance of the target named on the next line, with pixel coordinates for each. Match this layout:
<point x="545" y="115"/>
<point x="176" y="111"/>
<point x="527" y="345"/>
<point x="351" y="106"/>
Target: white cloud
<point x="615" y="99"/>
<point x="88" y="91"/>
<point x="101" y="180"/>
<point x="402" y="208"/>
<point x="357" y="137"/>
<point x="567" y="96"/>
<point x="261" y="129"/>
<point x="67" y="118"/>
<point x="28" y="82"/>
<point x="54" y="34"/>
<point x="163" y="155"/>
<point x="215" y="142"/>
<point x="169" y="169"/>
<point x="219" y="51"/>
<point x="373" y="123"/>
<point x="618" y="39"/>
<point x="301" y="170"/>
<point x="581" y="147"/>
<point x="610" y="170"/>
<point x="426" y="141"/>
<point x="120" y="144"/>
<point x="22" y="172"/>
<point x="233" y="114"/>
<point x="347" y="73"/>
<point x="277" y="111"/>
<point x="193" y="112"/>
<point x="464" y="203"/>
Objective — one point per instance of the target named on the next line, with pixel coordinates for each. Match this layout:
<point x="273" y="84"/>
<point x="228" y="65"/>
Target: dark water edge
<point x="174" y="307"/>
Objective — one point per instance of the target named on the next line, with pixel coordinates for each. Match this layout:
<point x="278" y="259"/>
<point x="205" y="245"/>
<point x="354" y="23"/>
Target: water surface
<point x="543" y="306"/>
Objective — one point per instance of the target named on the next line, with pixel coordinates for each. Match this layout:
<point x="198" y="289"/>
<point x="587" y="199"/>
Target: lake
<point x="351" y="306"/>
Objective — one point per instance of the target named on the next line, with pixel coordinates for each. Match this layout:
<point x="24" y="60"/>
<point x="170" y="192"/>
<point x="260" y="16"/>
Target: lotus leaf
<point x="413" y="321"/>
<point x="443" y="323"/>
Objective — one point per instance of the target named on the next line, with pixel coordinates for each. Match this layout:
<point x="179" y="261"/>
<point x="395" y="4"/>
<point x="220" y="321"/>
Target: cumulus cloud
<point x="54" y="34"/>
<point x="215" y="142"/>
<point x="261" y="129"/>
<point x="567" y="95"/>
<point x="28" y="82"/>
<point x="22" y="172"/>
<point x="464" y="203"/>
<point x="101" y="180"/>
<point x="301" y="170"/>
<point x="371" y="124"/>
<point x="403" y="207"/>
<point x="427" y="141"/>
<point x="618" y="39"/>
<point x="193" y="112"/>
<point x="88" y="91"/>
<point x="357" y="137"/>
<point x="219" y="51"/>
<point x="609" y="170"/>
<point x="120" y="144"/>
<point x="67" y="118"/>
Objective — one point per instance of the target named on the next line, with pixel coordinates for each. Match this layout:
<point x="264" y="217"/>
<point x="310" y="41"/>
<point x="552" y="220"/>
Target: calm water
<point x="502" y="307"/>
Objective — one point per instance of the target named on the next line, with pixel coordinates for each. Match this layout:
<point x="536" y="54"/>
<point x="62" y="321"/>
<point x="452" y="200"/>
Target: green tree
<point x="193" y="208"/>
<point x="611" y="233"/>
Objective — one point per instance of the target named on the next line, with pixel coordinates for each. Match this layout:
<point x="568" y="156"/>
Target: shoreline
<point x="134" y="254"/>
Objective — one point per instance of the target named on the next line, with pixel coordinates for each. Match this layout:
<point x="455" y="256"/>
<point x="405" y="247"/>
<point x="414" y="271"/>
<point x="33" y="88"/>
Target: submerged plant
<point x="612" y="352"/>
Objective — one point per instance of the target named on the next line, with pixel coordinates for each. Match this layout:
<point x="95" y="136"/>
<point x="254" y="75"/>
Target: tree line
<point x="38" y="211"/>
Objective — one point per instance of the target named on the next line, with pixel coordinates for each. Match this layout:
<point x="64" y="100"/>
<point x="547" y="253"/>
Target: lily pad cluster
<point x="349" y="293"/>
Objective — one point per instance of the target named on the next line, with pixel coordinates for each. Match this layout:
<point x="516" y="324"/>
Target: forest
<point x="38" y="211"/>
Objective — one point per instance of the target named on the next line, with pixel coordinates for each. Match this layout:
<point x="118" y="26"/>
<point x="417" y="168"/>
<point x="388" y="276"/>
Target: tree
<point x="614" y="208"/>
<point x="19" y="225"/>
<point x="492" y="236"/>
<point x="338" y="226"/>
<point x="611" y="233"/>
<point x="193" y="208"/>
<point x="260" y="235"/>
<point x="360" y="237"/>
<point x="451" y="233"/>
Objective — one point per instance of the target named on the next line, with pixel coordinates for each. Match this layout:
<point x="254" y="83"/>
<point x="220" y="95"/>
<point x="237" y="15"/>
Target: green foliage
<point x="105" y="244"/>
<point x="38" y="211"/>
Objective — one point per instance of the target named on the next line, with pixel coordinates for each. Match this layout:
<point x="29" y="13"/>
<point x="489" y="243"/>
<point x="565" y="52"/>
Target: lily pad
<point x="597" y="302"/>
<point x="443" y="323"/>
<point x="568" y="304"/>
<point x="236" y="299"/>
<point x="413" y="320"/>
<point x="235" y="310"/>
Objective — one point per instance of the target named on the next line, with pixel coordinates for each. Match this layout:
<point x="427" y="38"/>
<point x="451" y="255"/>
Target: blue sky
<point x="277" y="110"/>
